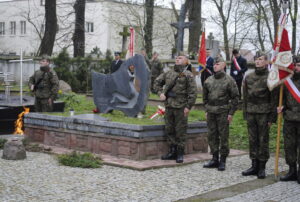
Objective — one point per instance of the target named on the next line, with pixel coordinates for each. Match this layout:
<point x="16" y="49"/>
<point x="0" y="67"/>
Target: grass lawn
<point x="155" y="97"/>
<point x="238" y="138"/>
<point x="85" y="106"/>
<point x="15" y="88"/>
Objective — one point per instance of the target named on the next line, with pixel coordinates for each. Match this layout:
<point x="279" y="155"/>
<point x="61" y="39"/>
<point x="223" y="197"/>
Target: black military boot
<point x="171" y="155"/>
<point x="222" y="163"/>
<point x="214" y="162"/>
<point x="180" y="152"/>
<point x="292" y="174"/>
<point x="261" y="170"/>
<point x="253" y="170"/>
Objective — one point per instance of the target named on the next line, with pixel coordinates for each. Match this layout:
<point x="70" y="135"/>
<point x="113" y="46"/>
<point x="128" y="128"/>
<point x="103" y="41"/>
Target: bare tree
<point x="132" y="15"/>
<point x="148" y="28"/>
<point x="258" y="25"/>
<point x="194" y="15"/>
<point x="274" y="5"/>
<point x="240" y="24"/>
<point x="79" y="33"/>
<point x="48" y="40"/>
<point x="293" y="16"/>
<point x="224" y="9"/>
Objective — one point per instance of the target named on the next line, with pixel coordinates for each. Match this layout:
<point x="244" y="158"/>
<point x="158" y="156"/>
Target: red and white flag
<point x="293" y="89"/>
<point x="236" y="64"/>
<point x="282" y="67"/>
<point x="130" y="51"/>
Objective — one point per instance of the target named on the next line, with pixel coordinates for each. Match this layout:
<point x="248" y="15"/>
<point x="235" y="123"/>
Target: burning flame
<point x="19" y="122"/>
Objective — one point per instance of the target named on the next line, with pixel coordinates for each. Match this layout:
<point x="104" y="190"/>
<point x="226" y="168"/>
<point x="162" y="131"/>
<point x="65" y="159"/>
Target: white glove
<point x="31" y="87"/>
<point x="235" y="72"/>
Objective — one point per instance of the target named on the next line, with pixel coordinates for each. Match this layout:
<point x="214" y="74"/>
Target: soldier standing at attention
<point x="44" y="84"/>
<point x="156" y="69"/>
<point x="291" y="127"/>
<point x="260" y="113"/>
<point x="179" y="94"/>
<point x="220" y="97"/>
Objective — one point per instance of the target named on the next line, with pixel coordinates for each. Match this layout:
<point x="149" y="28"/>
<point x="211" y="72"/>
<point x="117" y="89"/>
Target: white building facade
<point x="22" y="24"/>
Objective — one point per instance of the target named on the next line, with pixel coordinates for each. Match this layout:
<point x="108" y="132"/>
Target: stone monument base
<point x="9" y="111"/>
<point x="135" y="142"/>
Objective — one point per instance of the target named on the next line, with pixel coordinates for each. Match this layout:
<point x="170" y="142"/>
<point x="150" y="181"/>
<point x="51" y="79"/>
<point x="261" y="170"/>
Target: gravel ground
<point x="280" y="191"/>
<point x="40" y="178"/>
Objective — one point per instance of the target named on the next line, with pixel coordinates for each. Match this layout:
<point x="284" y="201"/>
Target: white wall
<point x="108" y="17"/>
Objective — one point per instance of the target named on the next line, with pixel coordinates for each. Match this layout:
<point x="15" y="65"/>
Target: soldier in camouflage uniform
<point x="156" y="69"/>
<point x="220" y="97"/>
<point x="260" y="113"/>
<point x="44" y="84"/>
<point x="179" y="94"/>
<point x="291" y="128"/>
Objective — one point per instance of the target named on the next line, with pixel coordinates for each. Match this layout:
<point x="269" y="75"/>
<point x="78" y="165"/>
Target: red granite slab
<point x="146" y="164"/>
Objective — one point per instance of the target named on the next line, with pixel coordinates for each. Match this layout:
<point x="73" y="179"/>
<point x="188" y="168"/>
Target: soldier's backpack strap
<point x="168" y="91"/>
<point x="38" y="82"/>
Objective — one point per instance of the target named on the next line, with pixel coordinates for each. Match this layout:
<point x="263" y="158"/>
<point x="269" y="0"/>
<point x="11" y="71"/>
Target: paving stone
<point x="279" y="191"/>
<point x="41" y="178"/>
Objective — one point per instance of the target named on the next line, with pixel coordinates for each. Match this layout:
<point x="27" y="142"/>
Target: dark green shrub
<point x="77" y="71"/>
<point x="97" y="52"/>
<point x="72" y="100"/>
<point x="25" y="141"/>
<point x="86" y="160"/>
<point x="2" y="142"/>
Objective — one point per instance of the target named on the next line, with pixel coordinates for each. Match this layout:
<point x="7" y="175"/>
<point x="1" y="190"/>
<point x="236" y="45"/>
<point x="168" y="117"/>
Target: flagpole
<point x="285" y="6"/>
<point x="21" y="76"/>
<point x="279" y="123"/>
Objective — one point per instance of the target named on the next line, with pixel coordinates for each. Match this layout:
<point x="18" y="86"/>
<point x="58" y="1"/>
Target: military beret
<point x="46" y="57"/>
<point x="260" y="54"/>
<point x="117" y="53"/>
<point x="296" y="58"/>
<point x="218" y="59"/>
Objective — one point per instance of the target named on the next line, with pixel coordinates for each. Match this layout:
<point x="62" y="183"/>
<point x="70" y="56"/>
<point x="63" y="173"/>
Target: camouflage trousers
<point x="218" y="133"/>
<point x="152" y="84"/>
<point x="291" y="131"/>
<point x="258" y="131"/>
<point x="42" y="105"/>
<point x="176" y="126"/>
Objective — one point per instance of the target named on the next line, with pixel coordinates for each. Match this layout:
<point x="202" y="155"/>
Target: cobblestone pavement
<point x="280" y="191"/>
<point x="40" y="178"/>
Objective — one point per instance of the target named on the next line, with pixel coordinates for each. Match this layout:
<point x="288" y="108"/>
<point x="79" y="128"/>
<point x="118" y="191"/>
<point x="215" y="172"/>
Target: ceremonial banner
<point x="130" y="51"/>
<point x="202" y="54"/>
<point x="292" y="88"/>
<point x="282" y="67"/>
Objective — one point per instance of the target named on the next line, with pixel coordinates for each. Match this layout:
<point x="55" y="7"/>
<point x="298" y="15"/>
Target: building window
<point x="23" y="27"/>
<point x="89" y="27"/>
<point x="2" y="28"/>
<point x="13" y="28"/>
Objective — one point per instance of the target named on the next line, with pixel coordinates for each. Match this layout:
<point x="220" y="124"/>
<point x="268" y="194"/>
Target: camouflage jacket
<point x="48" y="86"/>
<point x="291" y="110"/>
<point x="156" y="68"/>
<point x="220" y="94"/>
<point x="257" y="97"/>
<point x="185" y="89"/>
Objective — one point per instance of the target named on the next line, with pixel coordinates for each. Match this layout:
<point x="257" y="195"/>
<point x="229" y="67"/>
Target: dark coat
<point x="243" y="64"/>
<point x="210" y="64"/>
<point x="115" y="66"/>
